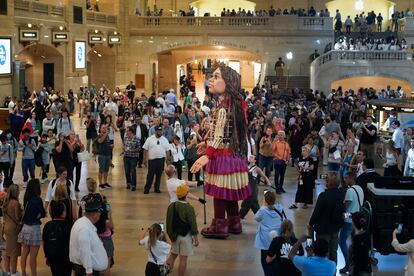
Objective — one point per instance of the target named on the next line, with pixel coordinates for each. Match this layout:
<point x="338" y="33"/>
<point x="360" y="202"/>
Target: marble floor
<point x="235" y="256"/>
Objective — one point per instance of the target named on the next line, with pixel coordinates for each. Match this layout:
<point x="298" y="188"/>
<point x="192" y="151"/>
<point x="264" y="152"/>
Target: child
<point x="158" y="249"/>
<point x="173" y="182"/>
<point x="45" y="156"/>
<point x="252" y="201"/>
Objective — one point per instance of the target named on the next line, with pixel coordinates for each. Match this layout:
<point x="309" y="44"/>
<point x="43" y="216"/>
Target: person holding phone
<point x="76" y="147"/>
<point x="158" y="245"/>
<point x="404" y="248"/>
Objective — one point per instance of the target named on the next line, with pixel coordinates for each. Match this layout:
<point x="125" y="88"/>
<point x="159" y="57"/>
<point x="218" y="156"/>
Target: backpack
<point x="53" y="238"/>
<point x="181" y="227"/>
<point x="366" y="209"/>
<point x="38" y="156"/>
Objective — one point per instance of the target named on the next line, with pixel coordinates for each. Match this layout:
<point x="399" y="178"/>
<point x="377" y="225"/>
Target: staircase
<point x="285" y="82"/>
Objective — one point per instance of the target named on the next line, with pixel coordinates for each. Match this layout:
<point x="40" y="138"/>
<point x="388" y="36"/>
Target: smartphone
<point x="162" y="226"/>
<point x="309" y="242"/>
<point x="399" y="228"/>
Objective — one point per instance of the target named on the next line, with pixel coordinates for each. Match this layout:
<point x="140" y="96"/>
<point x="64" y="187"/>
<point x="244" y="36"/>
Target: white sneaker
<point x="24" y="185"/>
<point x="16" y="274"/>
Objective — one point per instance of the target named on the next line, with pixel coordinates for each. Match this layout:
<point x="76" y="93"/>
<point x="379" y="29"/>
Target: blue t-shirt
<point x="314" y="266"/>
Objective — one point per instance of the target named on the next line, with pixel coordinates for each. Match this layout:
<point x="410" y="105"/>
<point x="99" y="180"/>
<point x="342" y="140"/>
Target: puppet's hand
<point x="201" y="162"/>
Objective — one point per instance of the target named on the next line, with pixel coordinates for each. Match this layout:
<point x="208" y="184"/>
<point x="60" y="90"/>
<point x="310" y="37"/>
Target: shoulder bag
<point x="164" y="268"/>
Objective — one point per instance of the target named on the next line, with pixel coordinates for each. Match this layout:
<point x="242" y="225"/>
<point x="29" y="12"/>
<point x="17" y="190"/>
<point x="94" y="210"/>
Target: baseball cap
<point x="182" y="191"/>
<point x="93" y="202"/>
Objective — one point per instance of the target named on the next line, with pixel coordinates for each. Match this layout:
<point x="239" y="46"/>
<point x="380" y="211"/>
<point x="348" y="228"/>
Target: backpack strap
<point x="359" y="200"/>
<point x="281" y="214"/>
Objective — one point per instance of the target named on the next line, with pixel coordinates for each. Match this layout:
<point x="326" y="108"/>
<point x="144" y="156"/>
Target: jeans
<point x="346" y="231"/>
<point x="5" y="168"/>
<point x="280" y="169"/>
<point x="268" y="268"/>
<point x="80" y="271"/>
<point x="266" y="163"/>
<point x="332" y="239"/>
<point x="155" y="168"/>
<point x="45" y="171"/>
<point x="28" y="165"/>
<point x="78" y="166"/>
<point x="130" y="166"/>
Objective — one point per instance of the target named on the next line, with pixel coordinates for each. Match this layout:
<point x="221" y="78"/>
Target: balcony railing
<point x="266" y="24"/>
<point x="24" y="7"/>
<point x="99" y="18"/>
<point x="362" y="55"/>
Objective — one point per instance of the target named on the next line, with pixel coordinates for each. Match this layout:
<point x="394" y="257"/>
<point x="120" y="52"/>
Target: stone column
<point x="121" y="8"/>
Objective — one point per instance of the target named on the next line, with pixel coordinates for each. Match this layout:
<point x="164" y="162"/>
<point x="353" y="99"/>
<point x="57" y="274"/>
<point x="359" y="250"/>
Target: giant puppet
<point x="224" y="154"/>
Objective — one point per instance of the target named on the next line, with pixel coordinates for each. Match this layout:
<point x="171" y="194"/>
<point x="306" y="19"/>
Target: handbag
<point x="84" y="156"/>
<point x="165" y="269"/>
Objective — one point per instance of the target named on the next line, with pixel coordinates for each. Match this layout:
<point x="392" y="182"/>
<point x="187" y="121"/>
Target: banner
<point x="80" y="55"/>
<point x="5" y="56"/>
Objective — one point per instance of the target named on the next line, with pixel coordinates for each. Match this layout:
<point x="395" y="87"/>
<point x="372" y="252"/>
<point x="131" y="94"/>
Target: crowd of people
<point x="301" y="129"/>
<point x="364" y="43"/>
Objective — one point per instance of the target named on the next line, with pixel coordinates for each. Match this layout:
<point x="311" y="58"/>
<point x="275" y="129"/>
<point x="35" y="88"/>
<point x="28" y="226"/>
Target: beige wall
<point x="102" y="70"/>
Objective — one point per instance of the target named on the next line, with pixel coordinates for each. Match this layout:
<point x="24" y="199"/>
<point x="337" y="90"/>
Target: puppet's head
<point x="226" y="83"/>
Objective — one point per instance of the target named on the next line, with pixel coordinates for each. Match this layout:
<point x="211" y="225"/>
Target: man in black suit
<point x="368" y="176"/>
<point x="142" y="135"/>
<point x="131" y="91"/>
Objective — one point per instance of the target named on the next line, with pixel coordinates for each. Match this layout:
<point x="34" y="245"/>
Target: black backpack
<point x="53" y="239"/>
<point x="38" y="156"/>
<point x="180" y="227"/>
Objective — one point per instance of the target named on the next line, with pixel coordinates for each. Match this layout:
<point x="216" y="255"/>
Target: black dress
<point x="360" y="255"/>
<point x="304" y="194"/>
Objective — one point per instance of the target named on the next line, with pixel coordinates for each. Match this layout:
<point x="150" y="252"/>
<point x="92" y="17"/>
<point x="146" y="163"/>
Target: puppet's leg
<point x="233" y="217"/>
<point x="219" y="227"/>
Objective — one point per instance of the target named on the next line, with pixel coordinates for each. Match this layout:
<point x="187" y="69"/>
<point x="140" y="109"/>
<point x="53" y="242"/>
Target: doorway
<point x="49" y="75"/>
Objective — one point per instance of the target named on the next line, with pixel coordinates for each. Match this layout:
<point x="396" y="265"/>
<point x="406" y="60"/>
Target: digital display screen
<point x="80" y="55"/>
<point x="5" y="56"/>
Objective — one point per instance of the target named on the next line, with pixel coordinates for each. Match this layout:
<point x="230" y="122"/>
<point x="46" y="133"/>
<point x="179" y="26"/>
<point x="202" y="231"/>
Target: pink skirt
<point x="227" y="178"/>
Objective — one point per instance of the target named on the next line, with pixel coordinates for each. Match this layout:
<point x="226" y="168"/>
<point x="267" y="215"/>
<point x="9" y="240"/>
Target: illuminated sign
<point x="95" y="38"/>
<point x="80" y="55"/>
<point x="5" y="56"/>
<point x="29" y="35"/>
<point x="114" y="39"/>
<point x="60" y="37"/>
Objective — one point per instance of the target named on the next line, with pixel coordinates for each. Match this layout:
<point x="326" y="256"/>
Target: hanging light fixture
<point x="359" y="5"/>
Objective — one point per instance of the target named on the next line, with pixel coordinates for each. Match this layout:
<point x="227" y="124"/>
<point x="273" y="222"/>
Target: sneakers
<point x="105" y="186"/>
<point x="128" y="186"/>
<point x="133" y="189"/>
<point x="24" y="185"/>
<point x="344" y="270"/>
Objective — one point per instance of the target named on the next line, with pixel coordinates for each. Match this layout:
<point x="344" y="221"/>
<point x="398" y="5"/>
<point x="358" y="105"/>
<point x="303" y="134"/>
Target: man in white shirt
<point x="156" y="148"/>
<point x="11" y="105"/>
<point x="409" y="163"/>
<point x="398" y="136"/>
<point x="354" y="198"/>
<point x="86" y="250"/>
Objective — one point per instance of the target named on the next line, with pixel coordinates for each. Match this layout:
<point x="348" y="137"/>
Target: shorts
<point x="108" y="244"/>
<point x="104" y="162"/>
<point x="183" y="246"/>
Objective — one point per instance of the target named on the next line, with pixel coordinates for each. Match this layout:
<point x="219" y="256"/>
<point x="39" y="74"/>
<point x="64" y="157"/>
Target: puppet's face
<point x="216" y="84"/>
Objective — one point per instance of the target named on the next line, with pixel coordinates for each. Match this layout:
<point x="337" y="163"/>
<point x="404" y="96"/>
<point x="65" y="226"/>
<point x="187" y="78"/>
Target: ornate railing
<point x="361" y="55"/>
<point x="38" y="8"/>
<point x="285" y="22"/>
<point x="99" y="17"/>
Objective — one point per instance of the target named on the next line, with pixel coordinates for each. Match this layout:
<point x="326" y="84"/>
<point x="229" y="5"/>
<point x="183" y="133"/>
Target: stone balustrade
<point x="24" y="8"/>
<point x="97" y="18"/>
<point x="361" y="55"/>
<point x="283" y="23"/>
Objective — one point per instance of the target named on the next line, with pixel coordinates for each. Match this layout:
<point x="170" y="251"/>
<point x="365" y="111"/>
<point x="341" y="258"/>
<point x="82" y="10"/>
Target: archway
<point x="101" y="66"/>
<point x="43" y="67"/>
<point x="199" y="61"/>
<point x="376" y="82"/>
